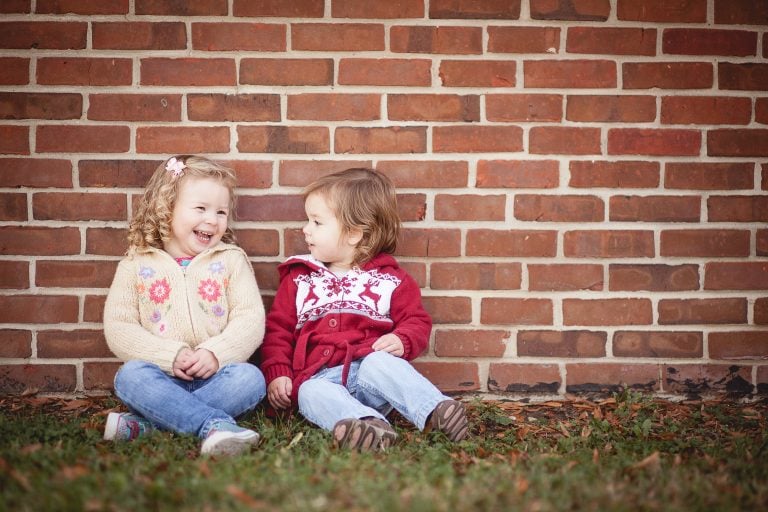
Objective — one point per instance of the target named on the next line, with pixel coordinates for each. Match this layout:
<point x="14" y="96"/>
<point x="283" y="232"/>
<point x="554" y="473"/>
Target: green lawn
<point x="629" y="452"/>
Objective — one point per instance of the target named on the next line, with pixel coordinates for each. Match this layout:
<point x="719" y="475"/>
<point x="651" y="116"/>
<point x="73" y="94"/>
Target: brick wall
<point x="583" y="182"/>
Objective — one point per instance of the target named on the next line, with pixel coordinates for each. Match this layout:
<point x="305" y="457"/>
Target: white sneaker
<point x="228" y="439"/>
<point x="124" y="426"/>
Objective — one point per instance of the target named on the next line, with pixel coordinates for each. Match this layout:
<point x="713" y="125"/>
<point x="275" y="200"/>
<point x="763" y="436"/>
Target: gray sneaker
<point x="124" y="426"/>
<point x="227" y="438"/>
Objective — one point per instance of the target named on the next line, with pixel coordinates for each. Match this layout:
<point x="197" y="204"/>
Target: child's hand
<point x="279" y="392"/>
<point x="204" y="364"/>
<point x="389" y="343"/>
<point x="182" y="362"/>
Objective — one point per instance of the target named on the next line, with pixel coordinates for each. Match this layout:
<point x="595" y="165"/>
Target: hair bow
<point x="175" y="166"/>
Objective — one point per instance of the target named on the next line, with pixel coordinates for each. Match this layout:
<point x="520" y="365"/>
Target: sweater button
<point x="326" y="352"/>
<point x="332" y="322"/>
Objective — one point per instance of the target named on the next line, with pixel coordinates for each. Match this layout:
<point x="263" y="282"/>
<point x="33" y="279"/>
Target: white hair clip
<point x="175" y="166"/>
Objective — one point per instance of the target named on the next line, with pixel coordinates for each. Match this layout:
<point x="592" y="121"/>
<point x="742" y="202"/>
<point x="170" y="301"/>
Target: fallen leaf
<point x="653" y="461"/>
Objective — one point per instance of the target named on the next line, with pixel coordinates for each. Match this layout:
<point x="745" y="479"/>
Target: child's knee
<point x="377" y="362"/>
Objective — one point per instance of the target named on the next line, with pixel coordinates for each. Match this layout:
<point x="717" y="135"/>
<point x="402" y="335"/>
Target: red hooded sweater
<point x="320" y="320"/>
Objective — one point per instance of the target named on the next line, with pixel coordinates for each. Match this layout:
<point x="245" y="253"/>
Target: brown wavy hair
<point x="363" y="199"/>
<point x="151" y="224"/>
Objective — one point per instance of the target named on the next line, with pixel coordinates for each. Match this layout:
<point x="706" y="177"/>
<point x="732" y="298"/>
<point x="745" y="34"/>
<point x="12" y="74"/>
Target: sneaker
<point x="450" y="418"/>
<point x="368" y="434"/>
<point x="124" y="426"/>
<point x="226" y="438"/>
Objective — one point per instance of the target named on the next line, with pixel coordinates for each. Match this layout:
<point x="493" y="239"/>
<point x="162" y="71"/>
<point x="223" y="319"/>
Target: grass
<point x="629" y="452"/>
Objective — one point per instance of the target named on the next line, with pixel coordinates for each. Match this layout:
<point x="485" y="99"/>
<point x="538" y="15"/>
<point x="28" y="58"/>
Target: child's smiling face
<point x="199" y="218"/>
<point x="324" y="235"/>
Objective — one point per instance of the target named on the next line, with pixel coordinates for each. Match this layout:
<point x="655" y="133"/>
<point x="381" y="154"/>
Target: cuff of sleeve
<point x="277" y="370"/>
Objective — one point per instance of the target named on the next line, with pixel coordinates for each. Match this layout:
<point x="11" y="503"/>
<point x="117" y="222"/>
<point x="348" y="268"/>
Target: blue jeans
<point x="375" y="384"/>
<point x="189" y="407"/>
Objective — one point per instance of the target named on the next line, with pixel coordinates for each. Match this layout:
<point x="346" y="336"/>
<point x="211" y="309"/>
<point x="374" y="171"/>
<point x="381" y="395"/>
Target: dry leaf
<point x="653" y="461"/>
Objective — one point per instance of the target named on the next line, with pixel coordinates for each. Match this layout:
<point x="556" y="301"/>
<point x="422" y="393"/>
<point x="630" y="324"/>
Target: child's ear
<point x="354" y="236"/>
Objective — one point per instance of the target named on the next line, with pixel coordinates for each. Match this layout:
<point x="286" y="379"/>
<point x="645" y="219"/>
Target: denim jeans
<point x="189" y="407"/>
<point x="375" y="384"/>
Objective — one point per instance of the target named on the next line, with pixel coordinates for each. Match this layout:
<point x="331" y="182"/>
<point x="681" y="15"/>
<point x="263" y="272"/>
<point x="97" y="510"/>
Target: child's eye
<point x="222" y="212"/>
<point x="200" y="208"/>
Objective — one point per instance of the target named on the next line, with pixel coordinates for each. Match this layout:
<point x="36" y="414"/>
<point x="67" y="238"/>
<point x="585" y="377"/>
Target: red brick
<point x="702" y="379"/>
<point x="736" y="276"/>
<point x="737" y="142"/>
<point x="705" y="110"/>
<point x="425" y="174"/>
<point x="175" y="8"/>
<point x="654" y="142"/>
<point x="709" y="175"/>
<point x="283" y="139"/>
<point x="564" y="277"/>
<point x="607" y="312"/>
<point x="702" y="311"/>
<point x="14" y="275"/>
<point x="569" y="74"/>
<point x="14" y="140"/>
<point x="256" y="37"/>
<point x="764" y="182"/>
<point x="504" y="311"/>
<point x="83" y="139"/>
<point x="524" y="107"/>
<point x="43" y="35"/>
<point x="116" y="173"/>
<point x="611" y="41"/>
<point x="333" y="107"/>
<point x="337" y="37"/>
<point x="477" y="139"/>
<point x="13" y="207"/>
<point x="523" y="39"/>
<point x="279" y="8"/>
<point x="33" y="378"/>
<point x="470" y="343"/>
<point x="450" y="377"/>
<point x="570" y="10"/>
<point x="270" y="208"/>
<point x="93" y="309"/>
<point x="563" y="208"/>
<point x="38" y="309"/>
<point x="16" y="343"/>
<point x="433" y="107"/>
<point x="72" y="344"/>
<point x="608" y="244"/>
<point x="233" y="107"/>
<point x="395" y="139"/>
<point x="564" y="140"/>
<point x="16" y="6"/>
<point x="106" y="241"/>
<point x="412" y="207"/>
<point x="611" y="109"/>
<point x="182" y="139"/>
<point x="517" y="174"/>
<point x="469" y="207"/>
<point x="449" y="310"/>
<point x="610" y="377"/>
<point x="761" y="311"/>
<point x="433" y="243"/>
<point x="738" y="345"/>
<point x="664" y="344"/>
<point x="377" y="10"/>
<point x="251" y="173"/>
<point x="475" y="276"/>
<point x="19" y="105"/>
<point x="667" y="75"/>
<point x="761" y="110"/>
<point x="79" y="206"/>
<point x="561" y="344"/>
<point x="15" y="71"/>
<point x="84" y="71"/>
<point x="657" y="278"/>
<point x="75" y="274"/>
<point x="188" y="72"/>
<point x="485" y="73"/>
<point x="139" y="35"/>
<point x="742" y="77"/>
<point x="622" y="174"/>
<point x="259" y="242"/>
<point x="687" y="41"/>
<point x="655" y="208"/>
<point x="517" y="243"/>
<point x="286" y="71"/>
<point x="437" y="40"/>
<point x="39" y="241"/>
<point x="737" y="209"/>
<point x="394" y="72"/>
<point x="134" y="107"/>
<point x="711" y="243"/>
<point x="477" y="9"/>
<point x="300" y="173"/>
<point x="663" y="11"/>
<point x="741" y="12"/>
<point x="527" y="379"/>
<point x="99" y="376"/>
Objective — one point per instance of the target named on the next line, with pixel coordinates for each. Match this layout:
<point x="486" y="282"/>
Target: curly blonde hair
<point x="151" y="224"/>
<point x="363" y="199"/>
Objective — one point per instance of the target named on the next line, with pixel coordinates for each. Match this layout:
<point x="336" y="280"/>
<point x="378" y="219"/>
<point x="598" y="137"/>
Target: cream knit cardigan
<point x="155" y="307"/>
